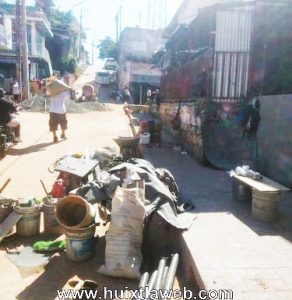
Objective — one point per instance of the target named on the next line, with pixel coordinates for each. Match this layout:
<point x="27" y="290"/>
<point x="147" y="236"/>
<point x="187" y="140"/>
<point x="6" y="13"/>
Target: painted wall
<point x="275" y="138"/>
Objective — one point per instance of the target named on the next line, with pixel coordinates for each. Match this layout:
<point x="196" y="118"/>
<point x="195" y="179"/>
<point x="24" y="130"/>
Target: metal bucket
<point x="240" y="191"/>
<point x="74" y="212"/>
<point x="51" y="225"/>
<point x="29" y="224"/>
<point x="80" y="242"/>
<point x="265" y="205"/>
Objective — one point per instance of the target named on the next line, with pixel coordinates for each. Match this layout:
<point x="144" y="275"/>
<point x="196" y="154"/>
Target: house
<point x="38" y="28"/>
<point x="230" y="52"/>
<point x="136" y="67"/>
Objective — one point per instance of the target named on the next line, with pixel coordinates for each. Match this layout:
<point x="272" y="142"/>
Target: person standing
<point x="149" y="93"/>
<point x="127" y="95"/>
<point x="7" y="109"/>
<point x="58" y="114"/>
<point x="15" y="91"/>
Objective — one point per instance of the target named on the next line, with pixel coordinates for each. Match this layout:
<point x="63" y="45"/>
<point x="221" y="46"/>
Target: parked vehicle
<point x="105" y="77"/>
<point x="7" y="137"/>
<point x="110" y="64"/>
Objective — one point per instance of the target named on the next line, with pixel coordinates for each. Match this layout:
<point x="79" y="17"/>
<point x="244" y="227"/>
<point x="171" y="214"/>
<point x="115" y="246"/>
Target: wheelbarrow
<point x="129" y="147"/>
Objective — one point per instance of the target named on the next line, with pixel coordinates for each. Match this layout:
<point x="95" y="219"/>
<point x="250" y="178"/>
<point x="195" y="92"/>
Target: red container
<point x="144" y="126"/>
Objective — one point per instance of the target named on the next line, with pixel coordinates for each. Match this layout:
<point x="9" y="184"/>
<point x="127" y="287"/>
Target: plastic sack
<point x="55" y="87"/>
<point x="123" y="257"/>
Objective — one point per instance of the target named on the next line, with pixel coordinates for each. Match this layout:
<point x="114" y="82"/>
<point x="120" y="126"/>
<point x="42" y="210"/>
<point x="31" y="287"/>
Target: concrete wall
<point x="275" y="138"/>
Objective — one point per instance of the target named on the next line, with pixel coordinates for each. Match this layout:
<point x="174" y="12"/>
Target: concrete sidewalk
<point x="227" y="248"/>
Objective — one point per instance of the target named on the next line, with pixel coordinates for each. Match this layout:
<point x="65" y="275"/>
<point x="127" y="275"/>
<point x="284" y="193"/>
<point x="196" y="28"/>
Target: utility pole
<point x="18" y="45"/>
<point x="117" y="28"/>
<point x="120" y="19"/>
<point x="80" y="37"/>
<point x="25" y="75"/>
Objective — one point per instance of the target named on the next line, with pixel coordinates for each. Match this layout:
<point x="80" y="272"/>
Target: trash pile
<point x="246" y="172"/>
<point x="93" y="191"/>
<point x="41" y="104"/>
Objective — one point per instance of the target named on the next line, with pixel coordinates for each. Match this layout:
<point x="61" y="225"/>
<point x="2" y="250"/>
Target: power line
<point x="77" y="4"/>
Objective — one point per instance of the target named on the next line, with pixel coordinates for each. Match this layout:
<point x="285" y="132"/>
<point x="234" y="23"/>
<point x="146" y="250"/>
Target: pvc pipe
<point x="160" y="272"/>
<point x="171" y="273"/>
<point x="144" y="280"/>
<point x="164" y="276"/>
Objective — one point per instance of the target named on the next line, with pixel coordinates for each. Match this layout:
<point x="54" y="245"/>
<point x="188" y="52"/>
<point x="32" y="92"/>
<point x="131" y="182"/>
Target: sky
<point x="98" y="16"/>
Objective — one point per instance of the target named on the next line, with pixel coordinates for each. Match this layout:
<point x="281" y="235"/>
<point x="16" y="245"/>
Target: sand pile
<point x="41" y="104"/>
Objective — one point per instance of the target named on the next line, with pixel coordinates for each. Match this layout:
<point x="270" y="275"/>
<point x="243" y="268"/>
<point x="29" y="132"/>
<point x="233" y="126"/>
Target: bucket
<point x="240" y="191"/>
<point x="79" y="242"/>
<point x="51" y="225"/>
<point x="29" y="224"/>
<point x="265" y="205"/>
<point x="145" y="138"/>
<point x="74" y="212"/>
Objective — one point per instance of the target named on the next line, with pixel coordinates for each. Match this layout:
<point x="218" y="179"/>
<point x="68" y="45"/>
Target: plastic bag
<point x="123" y="257"/>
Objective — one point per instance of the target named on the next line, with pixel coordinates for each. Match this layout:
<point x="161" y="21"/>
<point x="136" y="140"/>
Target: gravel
<point x="38" y="104"/>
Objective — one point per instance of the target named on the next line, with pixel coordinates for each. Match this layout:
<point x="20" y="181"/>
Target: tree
<point x="108" y="48"/>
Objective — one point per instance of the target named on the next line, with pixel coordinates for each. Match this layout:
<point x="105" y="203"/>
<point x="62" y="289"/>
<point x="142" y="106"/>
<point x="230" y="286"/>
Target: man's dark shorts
<point x="56" y="119"/>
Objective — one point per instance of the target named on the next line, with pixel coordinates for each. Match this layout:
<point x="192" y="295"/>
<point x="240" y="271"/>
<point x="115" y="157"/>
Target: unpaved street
<point x="28" y="162"/>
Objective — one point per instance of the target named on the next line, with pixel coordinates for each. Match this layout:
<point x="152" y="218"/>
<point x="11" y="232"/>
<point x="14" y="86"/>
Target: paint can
<point x="265" y="205"/>
<point x="80" y="242"/>
<point x="51" y="225"/>
<point x="29" y="224"/>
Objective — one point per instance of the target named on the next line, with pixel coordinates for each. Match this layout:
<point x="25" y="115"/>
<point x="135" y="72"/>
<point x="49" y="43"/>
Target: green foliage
<point x="61" y="43"/>
<point x="68" y="64"/>
<point x="108" y="48"/>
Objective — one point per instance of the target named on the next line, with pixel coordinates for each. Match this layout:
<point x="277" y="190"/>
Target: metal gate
<point x="232" y="54"/>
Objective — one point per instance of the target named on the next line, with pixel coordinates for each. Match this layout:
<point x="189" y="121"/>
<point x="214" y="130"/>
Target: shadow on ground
<point x="60" y="269"/>
<point x="209" y="189"/>
<point x="29" y="149"/>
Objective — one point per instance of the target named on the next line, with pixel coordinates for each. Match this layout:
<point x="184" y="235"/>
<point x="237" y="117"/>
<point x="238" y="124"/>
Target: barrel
<point x="265" y="205"/>
<point x="240" y="191"/>
<point x="51" y="225"/>
<point x="74" y="212"/>
<point x="29" y="224"/>
<point x="80" y="242"/>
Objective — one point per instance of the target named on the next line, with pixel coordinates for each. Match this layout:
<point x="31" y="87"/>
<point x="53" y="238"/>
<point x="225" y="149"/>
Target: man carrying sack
<point x="59" y="92"/>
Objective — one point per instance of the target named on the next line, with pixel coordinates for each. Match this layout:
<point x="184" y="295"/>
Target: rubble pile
<point x="41" y="104"/>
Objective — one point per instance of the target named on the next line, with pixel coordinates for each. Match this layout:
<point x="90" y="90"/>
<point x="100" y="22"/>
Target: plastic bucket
<point x="145" y="138"/>
<point x="79" y="242"/>
<point x="29" y="224"/>
<point x="74" y="212"/>
<point x="51" y="225"/>
<point x="240" y="191"/>
<point x="265" y="205"/>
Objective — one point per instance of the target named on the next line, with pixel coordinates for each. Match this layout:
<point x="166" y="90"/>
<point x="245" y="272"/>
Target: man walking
<point x="7" y="118"/>
<point x="58" y="114"/>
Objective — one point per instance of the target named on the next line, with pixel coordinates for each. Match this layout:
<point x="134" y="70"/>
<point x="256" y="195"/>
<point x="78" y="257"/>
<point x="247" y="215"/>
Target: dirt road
<point x="28" y="162"/>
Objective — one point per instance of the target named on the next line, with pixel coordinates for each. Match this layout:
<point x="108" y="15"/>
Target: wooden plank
<point x="8" y="223"/>
<point x="264" y="185"/>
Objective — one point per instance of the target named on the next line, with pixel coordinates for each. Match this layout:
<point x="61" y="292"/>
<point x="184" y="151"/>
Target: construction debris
<point x="41" y="104"/>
